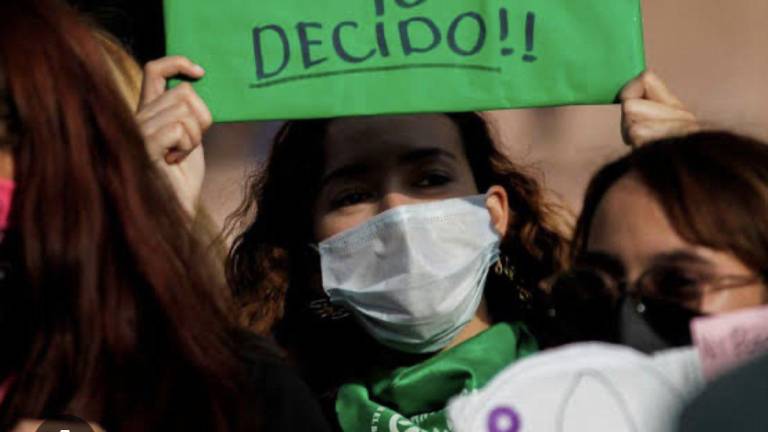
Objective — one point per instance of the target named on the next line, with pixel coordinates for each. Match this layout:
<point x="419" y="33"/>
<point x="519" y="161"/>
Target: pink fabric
<point x="6" y="197"/>
<point x="726" y="341"/>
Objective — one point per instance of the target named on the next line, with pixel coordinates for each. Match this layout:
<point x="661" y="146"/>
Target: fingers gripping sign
<point x="173" y="123"/>
<point x="649" y="111"/>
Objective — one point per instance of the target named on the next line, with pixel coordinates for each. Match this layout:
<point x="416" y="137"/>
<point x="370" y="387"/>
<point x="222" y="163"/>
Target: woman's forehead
<point x="631" y="225"/>
<point x="391" y="134"/>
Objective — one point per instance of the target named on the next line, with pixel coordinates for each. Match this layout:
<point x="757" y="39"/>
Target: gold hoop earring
<point x="324" y="309"/>
<point x="504" y="268"/>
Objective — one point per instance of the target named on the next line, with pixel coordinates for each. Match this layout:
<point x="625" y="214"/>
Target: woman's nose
<point x="392" y="200"/>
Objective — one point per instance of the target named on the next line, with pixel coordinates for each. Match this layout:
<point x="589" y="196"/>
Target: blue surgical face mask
<point x="413" y="276"/>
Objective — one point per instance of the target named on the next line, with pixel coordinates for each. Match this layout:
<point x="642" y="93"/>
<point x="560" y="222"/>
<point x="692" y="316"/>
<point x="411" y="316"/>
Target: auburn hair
<point x="712" y="186"/>
<point x="113" y="311"/>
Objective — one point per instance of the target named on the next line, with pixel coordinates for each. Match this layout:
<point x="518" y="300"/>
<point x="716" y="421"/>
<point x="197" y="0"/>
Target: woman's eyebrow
<point x="426" y="153"/>
<point x="682" y="256"/>
<point x="599" y="258"/>
<point x="343" y="172"/>
<point x="355" y="170"/>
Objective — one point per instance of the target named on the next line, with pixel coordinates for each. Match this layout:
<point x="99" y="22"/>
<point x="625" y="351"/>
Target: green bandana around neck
<point x="413" y="398"/>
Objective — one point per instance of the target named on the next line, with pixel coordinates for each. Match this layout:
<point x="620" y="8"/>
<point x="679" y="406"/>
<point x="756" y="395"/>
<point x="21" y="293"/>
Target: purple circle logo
<point x="504" y="419"/>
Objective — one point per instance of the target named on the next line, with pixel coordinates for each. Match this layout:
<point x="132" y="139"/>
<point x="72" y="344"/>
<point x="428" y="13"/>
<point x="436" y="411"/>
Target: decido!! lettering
<point x="314" y="43"/>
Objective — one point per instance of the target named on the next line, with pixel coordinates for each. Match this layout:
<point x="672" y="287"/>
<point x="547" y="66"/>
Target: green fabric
<point x="280" y="59"/>
<point x="413" y="399"/>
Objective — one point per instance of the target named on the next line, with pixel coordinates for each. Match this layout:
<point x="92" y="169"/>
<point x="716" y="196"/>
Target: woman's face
<point x="630" y="227"/>
<point x="373" y="164"/>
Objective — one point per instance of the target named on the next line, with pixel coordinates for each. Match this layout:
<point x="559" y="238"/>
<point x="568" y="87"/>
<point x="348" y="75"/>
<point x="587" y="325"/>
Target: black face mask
<point x="651" y="325"/>
<point x="582" y="307"/>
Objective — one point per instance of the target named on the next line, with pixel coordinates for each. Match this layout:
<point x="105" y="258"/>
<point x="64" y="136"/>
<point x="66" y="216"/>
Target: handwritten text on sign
<point x="465" y="36"/>
<point x="280" y="59"/>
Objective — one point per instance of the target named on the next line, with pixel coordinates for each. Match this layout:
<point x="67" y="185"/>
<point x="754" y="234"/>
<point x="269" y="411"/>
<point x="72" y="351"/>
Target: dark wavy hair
<point x="113" y="310"/>
<point x="275" y="275"/>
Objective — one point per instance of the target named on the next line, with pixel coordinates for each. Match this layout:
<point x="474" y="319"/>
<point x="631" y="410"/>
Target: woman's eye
<point x="350" y="198"/>
<point x="433" y="180"/>
<point x="676" y="283"/>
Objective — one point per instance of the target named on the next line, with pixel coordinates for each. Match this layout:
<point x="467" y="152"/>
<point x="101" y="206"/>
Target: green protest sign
<point x="279" y="59"/>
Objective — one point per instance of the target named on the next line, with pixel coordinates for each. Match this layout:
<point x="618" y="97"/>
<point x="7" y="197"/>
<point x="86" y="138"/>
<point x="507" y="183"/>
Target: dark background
<point x="137" y="23"/>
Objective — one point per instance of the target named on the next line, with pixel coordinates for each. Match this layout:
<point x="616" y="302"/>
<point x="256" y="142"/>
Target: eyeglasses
<point x="666" y="297"/>
<point x="685" y="287"/>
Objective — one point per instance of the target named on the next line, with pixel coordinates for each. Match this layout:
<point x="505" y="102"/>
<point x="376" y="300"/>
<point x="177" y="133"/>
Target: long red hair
<point x="113" y="311"/>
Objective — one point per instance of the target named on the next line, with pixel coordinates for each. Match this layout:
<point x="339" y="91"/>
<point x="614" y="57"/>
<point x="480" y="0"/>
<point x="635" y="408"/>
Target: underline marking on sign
<point x="355" y="71"/>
